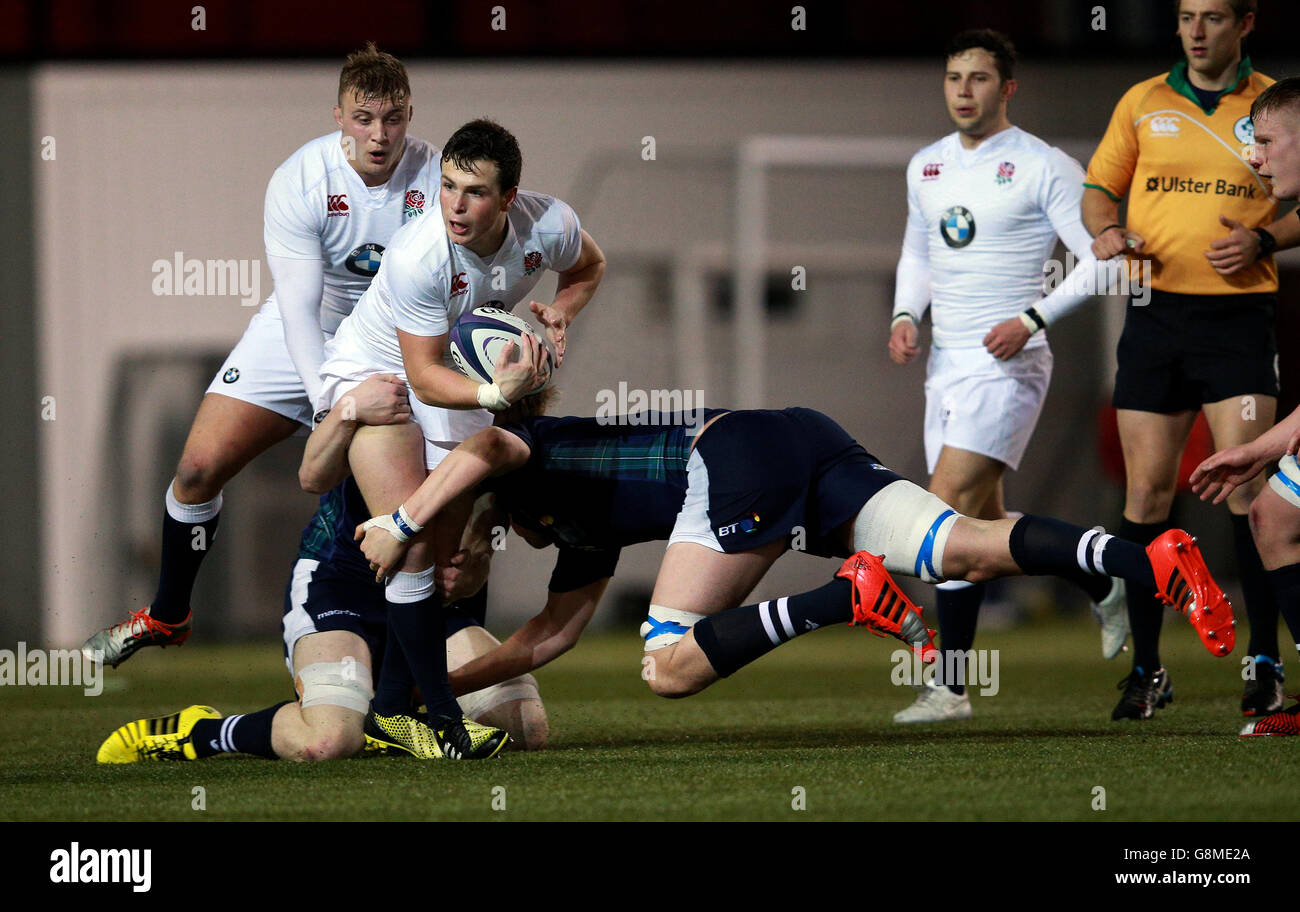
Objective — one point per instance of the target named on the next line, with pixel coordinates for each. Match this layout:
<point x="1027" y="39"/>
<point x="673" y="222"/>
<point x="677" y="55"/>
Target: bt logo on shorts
<point x="1166" y="126"/>
<point x="745" y="525"/>
<point x="336" y="204"/>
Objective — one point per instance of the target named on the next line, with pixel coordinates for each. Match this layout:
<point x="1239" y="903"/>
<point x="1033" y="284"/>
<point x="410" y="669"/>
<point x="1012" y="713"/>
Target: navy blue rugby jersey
<point x="328" y="535"/>
<point x="592" y="486"/>
<point x="590" y="483"/>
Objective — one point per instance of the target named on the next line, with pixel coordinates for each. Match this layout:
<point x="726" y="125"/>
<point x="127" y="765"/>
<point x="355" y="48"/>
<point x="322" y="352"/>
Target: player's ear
<point x="1008" y="89"/>
<point x="338" y="115"/>
<point x="1247" y="24"/>
<point x="508" y="197"/>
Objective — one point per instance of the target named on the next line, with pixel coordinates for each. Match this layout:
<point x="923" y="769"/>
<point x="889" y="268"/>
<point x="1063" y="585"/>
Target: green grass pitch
<point x="813" y="716"/>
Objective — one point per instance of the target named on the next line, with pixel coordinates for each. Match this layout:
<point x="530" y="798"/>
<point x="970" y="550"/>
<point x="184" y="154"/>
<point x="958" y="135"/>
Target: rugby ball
<point x="476" y="340"/>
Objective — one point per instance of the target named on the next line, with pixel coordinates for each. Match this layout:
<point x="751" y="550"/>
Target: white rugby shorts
<point x="345" y="368"/>
<point x="977" y="403"/>
<point x="259" y="371"/>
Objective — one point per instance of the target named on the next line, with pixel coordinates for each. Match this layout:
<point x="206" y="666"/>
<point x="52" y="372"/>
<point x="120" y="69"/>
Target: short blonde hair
<point x="371" y="73"/>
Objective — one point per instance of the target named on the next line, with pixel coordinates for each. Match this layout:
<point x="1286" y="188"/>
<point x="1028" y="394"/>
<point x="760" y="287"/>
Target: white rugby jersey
<point x="318" y="208"/>
<point x="426" y="282"/>
<point x="982" y="222"/>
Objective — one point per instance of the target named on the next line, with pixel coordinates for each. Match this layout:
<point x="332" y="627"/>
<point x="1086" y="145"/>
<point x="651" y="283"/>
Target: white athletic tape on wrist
<point x="388" y="524"/>
<point x="1029" y="322"/>
<point x="893" y="324"/>
<point x="909" y="526"/>
<point x="489" y="396"/>
<point x="345" y="684"/>
<point x="397" y="524"/>
<point x="665" y="626"/>
<point x="480" y="702"/>
<point x="1286" y="481"/>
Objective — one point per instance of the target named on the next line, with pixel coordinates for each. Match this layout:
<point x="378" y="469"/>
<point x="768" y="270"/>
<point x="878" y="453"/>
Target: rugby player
<point x="334" y="635"/>
<point x="985" y="206"/>
<point x="331" y="209"/>
<point x="1275" y="511"/>
<point x="731" y="491"/>
<point x="491" y="246"/>
<point x="1178" y="146"/>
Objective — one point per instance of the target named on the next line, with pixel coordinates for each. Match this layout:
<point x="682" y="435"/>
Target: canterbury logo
<point x="1165" y="125"/>
<point x="336" y="204"/>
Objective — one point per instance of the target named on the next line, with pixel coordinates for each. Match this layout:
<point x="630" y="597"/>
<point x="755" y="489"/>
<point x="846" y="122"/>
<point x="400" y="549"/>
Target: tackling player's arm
<point x="1228" y="469"/>
<point x="492" y="451"/>
<point x="575" y="288"/>
<point x="548" y="635"/>
<point x="380" y="399"/>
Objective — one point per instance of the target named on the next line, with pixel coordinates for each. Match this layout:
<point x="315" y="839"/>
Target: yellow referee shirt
<point x="1183" y="166"/>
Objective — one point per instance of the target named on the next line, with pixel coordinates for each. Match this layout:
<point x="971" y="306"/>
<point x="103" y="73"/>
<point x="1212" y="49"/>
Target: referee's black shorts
<point x="1180" y="351"/>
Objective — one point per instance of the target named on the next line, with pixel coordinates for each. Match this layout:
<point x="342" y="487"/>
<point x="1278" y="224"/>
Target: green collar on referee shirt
<point x="1177" y="79"/>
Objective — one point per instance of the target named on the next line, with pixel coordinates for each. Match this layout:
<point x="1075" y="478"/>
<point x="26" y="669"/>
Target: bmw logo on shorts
<point x="364" y="261"/>
<point x="230" y="376"/>
<point x="957" y="226"/>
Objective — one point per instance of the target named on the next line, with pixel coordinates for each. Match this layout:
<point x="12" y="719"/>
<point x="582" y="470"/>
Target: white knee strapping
<point x="345" y="684"/>
<point x="1286" y="481"/>
<point x="665" y="626"/>
<point x="480" y="702"/>
<point x="909" y="526"/>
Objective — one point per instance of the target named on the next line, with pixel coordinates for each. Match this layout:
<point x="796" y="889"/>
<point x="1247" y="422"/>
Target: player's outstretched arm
<point x="574" y="290"/>
<point x="545" y="637"/>
<point x="1219" y="475"/>
<point x="492" y="451"/>
<point x="380" y="399"/>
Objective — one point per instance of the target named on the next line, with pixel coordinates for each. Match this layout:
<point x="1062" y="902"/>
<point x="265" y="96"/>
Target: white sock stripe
<point x="227" y="730"/>
<point x="783" y="609"/>
<point x="954" y="585"/>
<point x="1081" y="552"/>
<point x="768" y="626"/>
<point x="1098" y="547"/>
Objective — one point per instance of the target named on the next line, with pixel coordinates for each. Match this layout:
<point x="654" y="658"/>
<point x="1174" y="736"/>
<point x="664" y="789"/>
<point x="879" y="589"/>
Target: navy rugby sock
<point x="1261" y="606"/>
<point x="183" y="550"/>
<point x="1041" y="546"/>
<point x="733" y="638"/>
<point x="249" y="733"/>
<point x="415" y="621"/>
<point x="1146" y="611"/>
<point x="957" y="604"/>
<point x="393" y="692"/>
<point x="1286" y="589"/>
